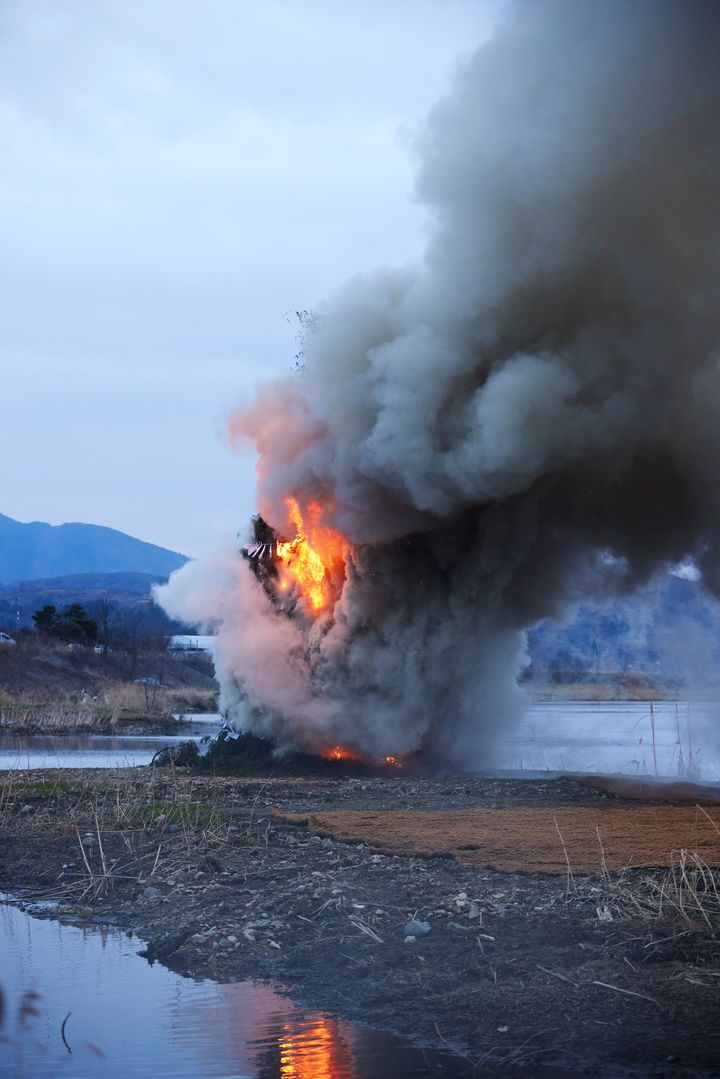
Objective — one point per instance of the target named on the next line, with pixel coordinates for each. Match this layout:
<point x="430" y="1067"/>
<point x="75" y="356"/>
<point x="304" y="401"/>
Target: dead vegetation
<point x="40" y="677"/>
<point x="607" y="686"/>
<point x="85" y="718"/>
<point x="684" y="898"/>
<point x="106" y="710"/>
<point x="54" y="720"/>
<point x="531" y="839"/>
<point x="122" y="832"/>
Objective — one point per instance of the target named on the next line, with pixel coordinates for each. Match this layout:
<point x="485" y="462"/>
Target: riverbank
<point x="55" y="680"/>
<point x="611" y="688"/>
<point x="26" y="720"/>
<point x="605" y="975"/>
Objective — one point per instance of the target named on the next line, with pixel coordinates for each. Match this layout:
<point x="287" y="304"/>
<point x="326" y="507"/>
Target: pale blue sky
<point x="176" y="176"/>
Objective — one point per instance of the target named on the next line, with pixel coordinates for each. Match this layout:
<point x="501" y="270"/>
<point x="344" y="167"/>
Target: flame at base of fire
<point x="342" y="753"/>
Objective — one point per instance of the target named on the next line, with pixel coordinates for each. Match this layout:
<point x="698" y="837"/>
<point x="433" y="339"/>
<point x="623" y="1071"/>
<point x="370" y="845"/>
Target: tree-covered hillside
<point x="35" y="550"/>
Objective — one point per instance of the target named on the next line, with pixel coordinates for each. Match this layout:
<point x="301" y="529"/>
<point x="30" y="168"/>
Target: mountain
<point x="82" y="586"/>
<point x="128" y="594"/>
<point x="36" y="550"/>
<point x="670" y="627"/>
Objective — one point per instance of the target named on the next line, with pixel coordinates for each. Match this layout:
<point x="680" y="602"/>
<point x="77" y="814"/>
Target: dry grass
<point x="631" y="872"/>
<point x="683" y="898"/>
<point x="127" y="829"/>
<point x="55" y="719"/>
<point x="607" y="688"/>
<point x="103" y="714"/>
<point x="41" y="675"/>
<point x="537" y="839"/>
<point x="127" y="696"/>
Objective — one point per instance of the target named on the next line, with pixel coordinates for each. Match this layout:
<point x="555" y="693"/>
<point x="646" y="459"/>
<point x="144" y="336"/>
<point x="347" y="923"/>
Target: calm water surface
<point x="96" y="750"/>
<point x="678" y="738"/>
<point x="559" y="736"/>
<point x="130" y="1019"/>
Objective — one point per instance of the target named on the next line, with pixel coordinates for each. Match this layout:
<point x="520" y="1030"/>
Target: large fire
<point x="313" y="565"/>
<point x="313" y="559"/>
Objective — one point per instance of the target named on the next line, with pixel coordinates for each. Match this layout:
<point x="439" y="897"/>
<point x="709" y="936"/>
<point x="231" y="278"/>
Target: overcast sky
<point x="175" y="178"/>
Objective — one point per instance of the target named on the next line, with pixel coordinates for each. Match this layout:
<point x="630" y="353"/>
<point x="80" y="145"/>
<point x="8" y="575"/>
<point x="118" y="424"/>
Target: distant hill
<point x="127" y="593"/>
<point x="669" y="628"/>
<point x="86" y="584"/>
<point x="39" y="550"/>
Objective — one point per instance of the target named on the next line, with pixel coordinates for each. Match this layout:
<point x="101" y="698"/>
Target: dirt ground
<point x="524" y="973"/>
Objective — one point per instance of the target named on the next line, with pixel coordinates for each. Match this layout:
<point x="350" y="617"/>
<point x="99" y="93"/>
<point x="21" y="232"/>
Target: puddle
<point x="128" y="1018"/>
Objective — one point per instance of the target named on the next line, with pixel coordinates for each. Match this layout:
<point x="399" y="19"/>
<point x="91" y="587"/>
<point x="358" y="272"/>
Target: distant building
<point x="184" y="642"/>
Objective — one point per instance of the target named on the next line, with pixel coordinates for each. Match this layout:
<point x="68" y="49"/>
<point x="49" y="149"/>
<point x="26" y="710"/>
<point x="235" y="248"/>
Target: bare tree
<point x="104" y="611"/>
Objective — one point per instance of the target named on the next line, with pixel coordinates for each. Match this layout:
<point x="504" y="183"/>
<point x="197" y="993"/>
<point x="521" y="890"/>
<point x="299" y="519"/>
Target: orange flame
<point x="340" y="753"/>
<point x="309" y="560"/>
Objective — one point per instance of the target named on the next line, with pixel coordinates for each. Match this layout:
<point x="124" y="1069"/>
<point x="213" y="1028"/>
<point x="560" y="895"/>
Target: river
<point x="667" y="738"/>
<point x="97" y="750"/>
<point x="677" y="739"/>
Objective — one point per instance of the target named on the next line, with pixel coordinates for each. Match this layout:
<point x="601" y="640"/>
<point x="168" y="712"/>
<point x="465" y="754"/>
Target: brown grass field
<point x="537" y="840"/>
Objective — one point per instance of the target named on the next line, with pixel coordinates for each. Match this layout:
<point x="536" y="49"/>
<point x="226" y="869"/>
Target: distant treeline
<point x="670" y="629"/>
<point x="117" y="602"/>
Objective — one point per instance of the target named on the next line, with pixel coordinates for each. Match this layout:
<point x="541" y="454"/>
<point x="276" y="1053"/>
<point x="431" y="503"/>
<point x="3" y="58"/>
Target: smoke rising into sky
<point x="542" y="390"/>
<point x="176" y="178"/>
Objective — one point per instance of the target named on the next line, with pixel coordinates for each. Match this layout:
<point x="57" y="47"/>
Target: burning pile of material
<point x="537" y="399"/>
<point x="313" y="570"/>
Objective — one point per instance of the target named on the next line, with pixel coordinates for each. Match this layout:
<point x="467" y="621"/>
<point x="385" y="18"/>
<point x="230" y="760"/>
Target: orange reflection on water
<point x="315" y="1051"/>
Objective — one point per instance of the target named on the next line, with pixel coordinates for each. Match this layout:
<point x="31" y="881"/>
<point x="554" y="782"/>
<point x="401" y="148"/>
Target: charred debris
<point x="262" y="553"/>
<point x="248" y="754"/>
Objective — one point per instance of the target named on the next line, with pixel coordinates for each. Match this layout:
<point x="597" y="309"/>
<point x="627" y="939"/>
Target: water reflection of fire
<point x="314" y="560"/>
<point x="315" y="1051"/>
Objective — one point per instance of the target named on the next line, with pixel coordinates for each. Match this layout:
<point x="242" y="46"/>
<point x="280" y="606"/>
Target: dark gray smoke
<point x="543" y="390"/>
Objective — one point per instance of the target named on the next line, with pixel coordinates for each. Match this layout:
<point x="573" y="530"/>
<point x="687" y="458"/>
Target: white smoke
<point x="544" y="387"/>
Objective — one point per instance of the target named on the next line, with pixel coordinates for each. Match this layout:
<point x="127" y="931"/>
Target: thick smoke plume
<point x="543" y="391"/>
